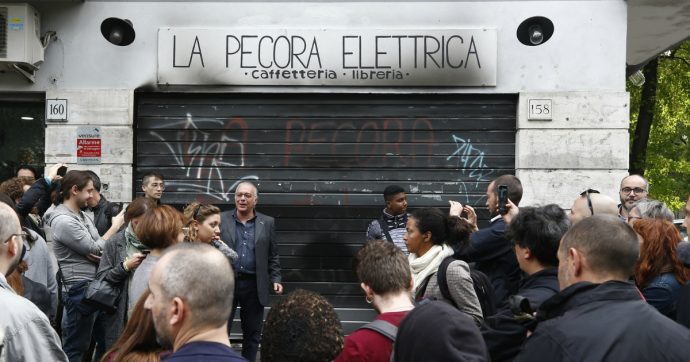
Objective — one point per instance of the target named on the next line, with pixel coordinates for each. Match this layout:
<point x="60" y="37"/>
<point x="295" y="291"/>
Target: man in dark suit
<point x="489" y="249"/>
<point x="252" y="235"/>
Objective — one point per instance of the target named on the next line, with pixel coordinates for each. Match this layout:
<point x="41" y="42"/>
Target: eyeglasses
<point x="637" y="190"/>
<point x="589" y="199"/>
<point x="25" y="242"/>
<point x="23" y="235"/>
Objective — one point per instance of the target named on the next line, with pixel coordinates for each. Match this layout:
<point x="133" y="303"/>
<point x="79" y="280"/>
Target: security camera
<point x="535" y="31"/>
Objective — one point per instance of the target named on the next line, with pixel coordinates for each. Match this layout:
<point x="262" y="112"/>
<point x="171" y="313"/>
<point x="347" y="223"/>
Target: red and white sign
<point x="88" y="145"/>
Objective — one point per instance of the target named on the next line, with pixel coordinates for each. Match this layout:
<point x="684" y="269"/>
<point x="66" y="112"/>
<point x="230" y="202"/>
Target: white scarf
<point x="427" y="264"/>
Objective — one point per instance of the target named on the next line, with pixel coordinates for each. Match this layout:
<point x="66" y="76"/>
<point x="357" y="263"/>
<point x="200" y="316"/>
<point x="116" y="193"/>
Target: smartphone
<point x="502" y="199"/>
<point x="145" y="252"/>
<point x="62" y="171"/>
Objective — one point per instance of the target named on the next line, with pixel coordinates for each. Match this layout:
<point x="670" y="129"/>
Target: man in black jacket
<point x="599" y="315"/>
<point x="489" y="249"/>
<point x="537" y="233"/>
<point x="103" y="210"/>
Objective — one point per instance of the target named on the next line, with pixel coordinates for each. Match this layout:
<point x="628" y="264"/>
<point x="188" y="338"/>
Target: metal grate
<point x="321" y="163"/>
<point x="3" y="32"/>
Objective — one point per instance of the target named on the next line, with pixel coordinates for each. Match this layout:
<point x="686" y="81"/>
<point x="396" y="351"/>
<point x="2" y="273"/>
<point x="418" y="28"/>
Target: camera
<point x="520" y="307"/>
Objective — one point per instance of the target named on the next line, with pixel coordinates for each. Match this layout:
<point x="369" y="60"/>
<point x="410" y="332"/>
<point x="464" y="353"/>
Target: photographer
<point x="103" y="210"/>
<point x="489" y="250"/>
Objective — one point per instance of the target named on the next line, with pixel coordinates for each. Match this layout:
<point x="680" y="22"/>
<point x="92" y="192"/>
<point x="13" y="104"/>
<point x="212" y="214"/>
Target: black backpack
<point x="482" y="287"/>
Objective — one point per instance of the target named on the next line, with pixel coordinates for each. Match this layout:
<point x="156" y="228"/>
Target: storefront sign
<point x="367" y="57"/>
<point x="88" y="145"/>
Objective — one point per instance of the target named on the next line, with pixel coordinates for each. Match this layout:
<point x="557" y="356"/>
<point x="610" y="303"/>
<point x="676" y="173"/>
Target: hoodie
<point x="74" y="238"/>
<point x="437" y="331"/>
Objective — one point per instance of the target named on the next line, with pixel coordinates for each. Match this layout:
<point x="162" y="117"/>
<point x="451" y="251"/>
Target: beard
<point x="628" y="204"/>
<point x="163" y="338"/>
<point x="164" y="342"/>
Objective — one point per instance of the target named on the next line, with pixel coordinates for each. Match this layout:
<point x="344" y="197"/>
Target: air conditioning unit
<point x="20" y="39"/>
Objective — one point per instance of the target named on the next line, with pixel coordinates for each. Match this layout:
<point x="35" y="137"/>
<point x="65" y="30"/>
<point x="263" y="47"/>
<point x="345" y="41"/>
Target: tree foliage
<point x="667" y="163"/>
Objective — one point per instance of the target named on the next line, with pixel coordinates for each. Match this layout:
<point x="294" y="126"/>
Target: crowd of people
<point x="105" y="300"/>
<point x="145" y="282"/>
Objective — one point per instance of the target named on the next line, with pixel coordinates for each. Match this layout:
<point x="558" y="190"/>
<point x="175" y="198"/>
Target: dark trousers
<point x="251" y="314"/>
<point x="76" y="331"/>
<point x="82" y="325"/>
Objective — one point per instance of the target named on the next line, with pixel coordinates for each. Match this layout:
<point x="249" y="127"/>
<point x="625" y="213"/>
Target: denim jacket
<point x="662" y="293"/>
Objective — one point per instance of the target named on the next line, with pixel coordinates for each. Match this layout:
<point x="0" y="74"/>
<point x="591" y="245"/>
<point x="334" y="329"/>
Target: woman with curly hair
<point x="202" y="222"/>
<point x="302" y="327"/>
<point x="659" y="273"/>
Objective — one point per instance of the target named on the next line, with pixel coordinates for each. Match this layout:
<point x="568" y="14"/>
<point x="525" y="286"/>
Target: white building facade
<point x="192" y="97"/>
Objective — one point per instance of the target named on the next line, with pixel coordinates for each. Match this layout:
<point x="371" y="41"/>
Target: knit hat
<point x="436" y="331"/>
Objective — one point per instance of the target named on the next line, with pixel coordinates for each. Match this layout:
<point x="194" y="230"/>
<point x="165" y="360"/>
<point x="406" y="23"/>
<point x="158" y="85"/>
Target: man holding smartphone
<point x="488" y="248"/>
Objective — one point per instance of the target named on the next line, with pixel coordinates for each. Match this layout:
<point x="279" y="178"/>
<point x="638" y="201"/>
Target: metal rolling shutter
<point x="321" y="163"/>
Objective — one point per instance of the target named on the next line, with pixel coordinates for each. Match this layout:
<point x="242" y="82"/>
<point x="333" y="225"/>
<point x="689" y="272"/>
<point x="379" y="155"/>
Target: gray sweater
<point x="461" y="290"/>
<point x="140" y="279"/>
<point x="74" y="238"/>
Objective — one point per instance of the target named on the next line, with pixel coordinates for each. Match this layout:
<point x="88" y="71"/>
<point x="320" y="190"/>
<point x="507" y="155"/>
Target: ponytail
<point x="458" y="231"/>
<point x="450" y="230"/>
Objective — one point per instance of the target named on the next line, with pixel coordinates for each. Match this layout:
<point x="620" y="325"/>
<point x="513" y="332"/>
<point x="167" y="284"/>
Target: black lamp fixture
<point x="118" y="31"/>
<point x="535" y="31"/>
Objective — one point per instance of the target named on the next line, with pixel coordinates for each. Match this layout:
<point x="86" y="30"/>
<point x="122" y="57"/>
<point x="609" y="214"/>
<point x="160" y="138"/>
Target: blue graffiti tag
<point x="470" y="160"/>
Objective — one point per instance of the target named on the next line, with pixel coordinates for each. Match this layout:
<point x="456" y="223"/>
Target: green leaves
<point x="668" y="150"/>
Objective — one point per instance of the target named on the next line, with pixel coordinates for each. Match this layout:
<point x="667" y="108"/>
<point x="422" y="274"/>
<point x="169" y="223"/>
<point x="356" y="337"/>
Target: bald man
<point x="191" y="295"/>
<point x="589" y="203"/>
<point x="633" y="189"/>
<point x="599" y="315"/>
